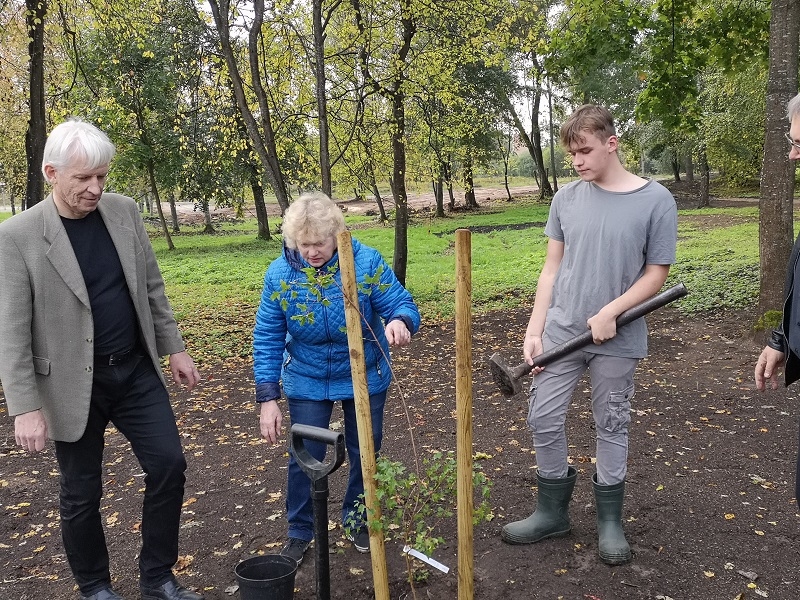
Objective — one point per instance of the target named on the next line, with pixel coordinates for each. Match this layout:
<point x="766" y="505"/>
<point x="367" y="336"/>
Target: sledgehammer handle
<point x="584" y="339"/>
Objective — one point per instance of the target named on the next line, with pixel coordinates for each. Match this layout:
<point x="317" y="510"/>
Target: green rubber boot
<point x="612" y="547"/>
<point x="551" y="517"/>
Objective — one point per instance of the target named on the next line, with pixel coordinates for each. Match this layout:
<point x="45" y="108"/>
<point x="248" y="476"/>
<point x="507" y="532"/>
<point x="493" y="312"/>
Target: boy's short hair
<point x="589" y="118"/>
<point x="793" y="108"/>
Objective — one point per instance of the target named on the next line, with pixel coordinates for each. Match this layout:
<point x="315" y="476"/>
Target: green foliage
<point x="733" y="122"/>
<point x="686" y="37"/>
<point x="719" y="266"/>
<point x="413" y="504"/>
<point x="769" y="320"/>
<point x="593" y="50"/>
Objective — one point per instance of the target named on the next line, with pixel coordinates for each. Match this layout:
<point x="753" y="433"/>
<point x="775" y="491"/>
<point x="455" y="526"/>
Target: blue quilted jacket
<point x="300" y="335"/>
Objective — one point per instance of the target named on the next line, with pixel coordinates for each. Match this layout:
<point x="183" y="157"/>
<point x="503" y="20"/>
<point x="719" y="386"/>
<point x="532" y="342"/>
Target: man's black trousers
<point x="133" y="398"/>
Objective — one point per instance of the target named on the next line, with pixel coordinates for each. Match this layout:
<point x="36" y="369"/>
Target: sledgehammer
<point x="508" y="379"/>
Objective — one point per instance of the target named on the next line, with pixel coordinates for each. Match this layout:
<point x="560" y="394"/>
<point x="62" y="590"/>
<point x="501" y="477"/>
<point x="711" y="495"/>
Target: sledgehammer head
<point x="507" y="378"/>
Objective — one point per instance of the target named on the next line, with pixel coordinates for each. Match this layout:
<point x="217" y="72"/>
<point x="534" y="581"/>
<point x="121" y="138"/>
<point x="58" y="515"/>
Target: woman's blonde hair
<point x="312" y="216"/>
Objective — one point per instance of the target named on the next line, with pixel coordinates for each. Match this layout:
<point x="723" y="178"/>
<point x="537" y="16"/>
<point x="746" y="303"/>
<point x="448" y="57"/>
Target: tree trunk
<point x="36" y="134"/>
<point x="209" y="228"/>
<point x="505" y="153"/>
<point x="151" y="171"/>
<point x="469" y="185"/>
<point x="376" y="192"/>
<point x="538" y="155"/>
<point x="776" y="228"/>
<point x="173" y="209"/>
<point x="264" y="145"/>
<point x="505" y="180"/>
<point x="552" y="138"/>
<point x="400" y="259"/>
<point x="689" y="168"/>
<point x="705" y="179"/>
<point x="439" y="194"/>
<point x="676" y="167"/>
<point x="534" y="146"/>
<point x="447" y="173"/>
<point x="394" y="93"/>
<point x="261" y="206"/>
<point x="322" y="101"/>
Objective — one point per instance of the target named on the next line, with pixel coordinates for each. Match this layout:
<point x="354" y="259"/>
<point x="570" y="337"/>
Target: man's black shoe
<point x="105" y="594"/>
<point x="169" y="590"/>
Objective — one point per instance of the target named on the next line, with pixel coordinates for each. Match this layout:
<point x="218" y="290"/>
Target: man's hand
<point x="183" y="370"/>
<point x="30" y="430"/>
<point x="397" y="334"/>
<point x="767" y="368"/>
<point x="531" y="348"/>
<point x="270" y="420"/>
<point x="603" y="327"/>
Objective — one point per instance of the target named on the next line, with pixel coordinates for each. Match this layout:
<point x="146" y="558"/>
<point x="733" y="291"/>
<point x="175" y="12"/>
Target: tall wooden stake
<point x="358" y="370"/>
<point x="464" y="412"/>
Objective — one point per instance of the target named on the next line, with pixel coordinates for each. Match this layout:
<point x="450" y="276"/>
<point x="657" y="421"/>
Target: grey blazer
<point x="46" y="327"/>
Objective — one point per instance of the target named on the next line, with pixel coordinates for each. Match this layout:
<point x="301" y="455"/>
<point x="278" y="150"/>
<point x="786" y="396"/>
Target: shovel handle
<point x="630" y="315"/>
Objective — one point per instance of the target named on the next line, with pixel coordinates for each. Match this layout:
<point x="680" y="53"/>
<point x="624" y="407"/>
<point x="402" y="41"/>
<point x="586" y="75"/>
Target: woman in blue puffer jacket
<point x="300" y="344"/>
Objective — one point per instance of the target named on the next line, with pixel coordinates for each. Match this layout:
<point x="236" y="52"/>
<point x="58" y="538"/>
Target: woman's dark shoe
<point x="295" y="549"/>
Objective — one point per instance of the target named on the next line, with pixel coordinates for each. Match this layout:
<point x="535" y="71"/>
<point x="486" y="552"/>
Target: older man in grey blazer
<point x="84" y="322"/>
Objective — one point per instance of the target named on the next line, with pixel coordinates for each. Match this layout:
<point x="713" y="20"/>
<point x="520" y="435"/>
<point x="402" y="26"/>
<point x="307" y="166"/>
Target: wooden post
<point x="358" y="370"/>
<point x="464" y="412"/>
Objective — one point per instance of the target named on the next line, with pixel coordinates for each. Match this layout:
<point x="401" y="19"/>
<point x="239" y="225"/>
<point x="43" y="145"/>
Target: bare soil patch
<point x="710" y="489"/>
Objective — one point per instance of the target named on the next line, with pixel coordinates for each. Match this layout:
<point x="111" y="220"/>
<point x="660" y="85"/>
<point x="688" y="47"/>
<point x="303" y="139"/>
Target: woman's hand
<point x="270" y="421"/>
<point x="397" y="333"/>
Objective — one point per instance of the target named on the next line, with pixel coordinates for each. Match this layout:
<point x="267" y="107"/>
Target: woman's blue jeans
<point x="299" y="507"/>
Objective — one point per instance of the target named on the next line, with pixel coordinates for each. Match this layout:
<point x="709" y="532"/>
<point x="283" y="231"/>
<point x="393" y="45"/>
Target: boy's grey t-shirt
<point x="609" y="238"/>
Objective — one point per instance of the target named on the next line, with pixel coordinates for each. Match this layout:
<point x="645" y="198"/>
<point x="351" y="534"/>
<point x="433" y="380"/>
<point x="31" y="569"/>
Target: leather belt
<point x="115" y="359"/>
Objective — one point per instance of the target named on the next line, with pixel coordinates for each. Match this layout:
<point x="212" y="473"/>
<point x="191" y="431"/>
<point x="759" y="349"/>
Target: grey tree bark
<point x="776" y="226"/>
<point x="36" y="135"/>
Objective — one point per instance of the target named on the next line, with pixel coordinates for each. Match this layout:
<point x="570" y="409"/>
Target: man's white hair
<point x="76" y="142"/>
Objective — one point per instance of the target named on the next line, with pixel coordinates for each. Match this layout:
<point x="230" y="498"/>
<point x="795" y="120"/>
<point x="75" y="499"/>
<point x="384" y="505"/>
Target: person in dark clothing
<point x="85" y="321"/>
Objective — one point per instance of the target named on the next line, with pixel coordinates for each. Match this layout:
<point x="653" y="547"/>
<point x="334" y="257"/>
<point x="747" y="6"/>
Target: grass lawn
<point x="214" y="282"/>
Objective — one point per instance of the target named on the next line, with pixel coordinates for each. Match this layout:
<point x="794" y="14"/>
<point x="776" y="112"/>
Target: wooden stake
<point x="464" y="412"/>
<point x="358" y="370"/>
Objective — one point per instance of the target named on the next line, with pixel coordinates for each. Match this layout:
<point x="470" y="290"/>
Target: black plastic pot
<point x="266" y="577"/>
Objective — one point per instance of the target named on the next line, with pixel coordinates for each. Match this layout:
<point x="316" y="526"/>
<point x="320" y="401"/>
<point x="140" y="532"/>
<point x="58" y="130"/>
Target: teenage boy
<point x="612" y="238"/>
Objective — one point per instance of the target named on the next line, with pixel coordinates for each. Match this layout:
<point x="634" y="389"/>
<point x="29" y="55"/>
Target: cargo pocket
<point x="618" y="411"/>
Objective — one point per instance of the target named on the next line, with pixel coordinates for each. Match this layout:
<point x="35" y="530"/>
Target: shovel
<point x="318" y="474"/>
<point x="508" y="378"/>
